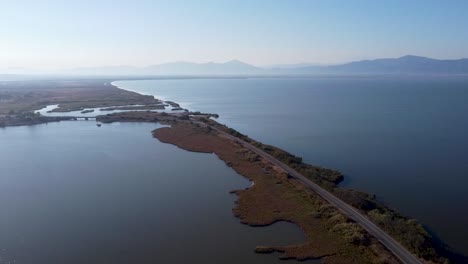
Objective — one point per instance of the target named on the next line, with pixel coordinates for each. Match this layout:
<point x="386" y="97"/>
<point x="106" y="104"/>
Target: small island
<point x="158" y="106"/>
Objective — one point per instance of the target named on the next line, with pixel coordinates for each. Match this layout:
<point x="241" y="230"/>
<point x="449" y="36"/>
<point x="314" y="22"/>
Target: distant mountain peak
<point x="232" y="67"/>
<point x="238" y="62"/>
<point x="413" y="57"/>
<point x="410" y="56"/>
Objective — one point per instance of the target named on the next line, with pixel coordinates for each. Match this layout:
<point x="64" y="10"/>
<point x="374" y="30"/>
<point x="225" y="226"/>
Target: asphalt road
<point x="391" y="244"/>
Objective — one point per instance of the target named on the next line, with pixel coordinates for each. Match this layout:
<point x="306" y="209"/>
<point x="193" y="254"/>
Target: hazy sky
<point x="55" y="34"/>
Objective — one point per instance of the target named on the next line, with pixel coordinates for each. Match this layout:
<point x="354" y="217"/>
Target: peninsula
<point x="341" y="225"/>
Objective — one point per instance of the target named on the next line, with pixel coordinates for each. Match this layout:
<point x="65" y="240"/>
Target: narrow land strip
<point x="286" y="189"/>
<point x="396" y="248"/>
<point x="277" y="197"/>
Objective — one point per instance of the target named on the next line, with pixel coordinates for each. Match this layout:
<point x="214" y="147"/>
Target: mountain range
<point x="406" y="65"/>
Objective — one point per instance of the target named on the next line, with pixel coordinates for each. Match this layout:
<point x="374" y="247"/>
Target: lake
<point x="72" y="192"/>
<point x="403" y="139"/>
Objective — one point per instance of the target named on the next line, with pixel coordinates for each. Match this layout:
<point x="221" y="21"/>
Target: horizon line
<point x="267" y="66"/>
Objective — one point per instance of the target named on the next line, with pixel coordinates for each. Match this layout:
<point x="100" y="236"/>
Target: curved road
<point x="391" y="244"/>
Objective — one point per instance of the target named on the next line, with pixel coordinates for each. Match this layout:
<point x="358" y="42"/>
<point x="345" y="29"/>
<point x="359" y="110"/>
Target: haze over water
<point x="403" y="139"/>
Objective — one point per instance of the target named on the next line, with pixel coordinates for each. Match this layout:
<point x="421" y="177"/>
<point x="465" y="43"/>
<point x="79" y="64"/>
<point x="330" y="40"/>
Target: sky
<point x="52" y="34"/>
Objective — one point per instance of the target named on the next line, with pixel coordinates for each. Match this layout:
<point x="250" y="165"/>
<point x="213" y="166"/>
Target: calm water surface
<point x="71" y="192"/>
<point x="402" y="139"/>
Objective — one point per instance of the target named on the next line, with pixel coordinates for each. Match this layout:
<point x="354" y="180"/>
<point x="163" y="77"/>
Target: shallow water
<point x="403" y="139"/>
<point x="72" y="192"/>
<point x="47" y="111"/>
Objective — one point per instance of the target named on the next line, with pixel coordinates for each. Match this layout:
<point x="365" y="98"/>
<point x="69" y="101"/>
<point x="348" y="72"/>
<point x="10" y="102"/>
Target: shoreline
<point x="190" y="134"/>
<point x="280" y="198"/>
<point x="330" y="183"/>
<point x="430" y="253"/>
<point x="184" y="105"/>
<point x="438" y="243"/>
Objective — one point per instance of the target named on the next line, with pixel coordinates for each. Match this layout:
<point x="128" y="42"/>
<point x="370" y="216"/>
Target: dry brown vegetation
<point x="158" y="106"/>
<point x="27" y="118"/>
<point x="140" y="116"/>
<point x="409" y="232"/>
<point x="27" y="96"/>
<point x="275" y="197"/>
<point x="19" y="99"/>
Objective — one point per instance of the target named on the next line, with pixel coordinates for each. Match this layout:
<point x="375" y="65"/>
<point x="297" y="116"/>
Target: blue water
<point x="403" y="139"/>
<point x="75" y="193"/>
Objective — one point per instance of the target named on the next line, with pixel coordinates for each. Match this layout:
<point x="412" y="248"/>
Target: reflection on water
<point x="74" y="193"/>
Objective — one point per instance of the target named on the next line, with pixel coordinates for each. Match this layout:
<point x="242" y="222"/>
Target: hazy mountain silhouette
<point x="406" y="65"/>
<point x="105" y="70"/>
<point x="233" y="67"/>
